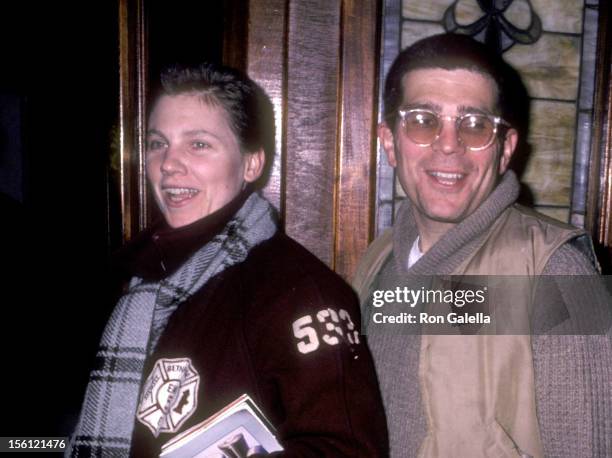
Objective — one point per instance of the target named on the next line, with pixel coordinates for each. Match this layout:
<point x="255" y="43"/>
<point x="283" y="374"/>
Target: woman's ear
<point x="253" y="165"/>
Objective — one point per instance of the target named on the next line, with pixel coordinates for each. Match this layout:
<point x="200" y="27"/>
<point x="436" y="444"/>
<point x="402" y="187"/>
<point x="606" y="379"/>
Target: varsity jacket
<point x="280" y="327"/>
<point x="540" y="395"/>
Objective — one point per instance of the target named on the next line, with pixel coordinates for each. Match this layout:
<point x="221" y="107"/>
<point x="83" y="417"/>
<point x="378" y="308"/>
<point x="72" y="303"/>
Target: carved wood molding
<point x="355" y="196"/>
<point x="599" y="203"/>
<point x="317" y="60"/>
<point x="132" y="112"/>
<point x="265" y="63"/>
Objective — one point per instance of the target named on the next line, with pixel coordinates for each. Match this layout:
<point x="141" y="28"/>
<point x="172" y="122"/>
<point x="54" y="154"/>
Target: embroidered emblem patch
<point x="169" y="396"/>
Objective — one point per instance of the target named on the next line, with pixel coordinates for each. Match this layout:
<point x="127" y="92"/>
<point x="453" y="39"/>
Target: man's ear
<point x="508" y="148"/>
<point x="385" y="135"/>
<point x="253" y="165"/>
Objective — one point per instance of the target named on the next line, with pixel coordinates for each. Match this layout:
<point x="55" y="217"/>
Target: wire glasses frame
<point x="476" y="131"/>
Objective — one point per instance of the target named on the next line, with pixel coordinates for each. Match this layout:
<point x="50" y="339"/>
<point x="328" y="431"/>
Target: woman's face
<point x="194" y="163"/>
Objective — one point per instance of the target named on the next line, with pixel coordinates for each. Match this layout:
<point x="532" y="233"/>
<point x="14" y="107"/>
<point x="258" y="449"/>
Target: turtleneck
<point x="160" y="250"/>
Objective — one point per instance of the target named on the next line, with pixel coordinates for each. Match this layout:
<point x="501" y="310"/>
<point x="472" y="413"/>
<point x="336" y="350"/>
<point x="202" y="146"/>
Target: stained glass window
<point x="552" y="45"/>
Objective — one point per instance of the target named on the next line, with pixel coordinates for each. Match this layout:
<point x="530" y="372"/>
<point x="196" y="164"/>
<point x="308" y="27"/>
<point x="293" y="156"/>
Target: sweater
<point x="573" y="373"/>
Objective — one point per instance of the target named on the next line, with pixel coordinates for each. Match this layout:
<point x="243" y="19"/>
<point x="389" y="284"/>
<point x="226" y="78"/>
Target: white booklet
<point x="237" y="431"/>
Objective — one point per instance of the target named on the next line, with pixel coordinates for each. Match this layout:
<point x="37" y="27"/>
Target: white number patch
<point x="302" y="331"/>
<point x="332" y="326"/>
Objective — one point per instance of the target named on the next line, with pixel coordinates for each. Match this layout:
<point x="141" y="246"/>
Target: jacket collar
<point x="159" y="251"/>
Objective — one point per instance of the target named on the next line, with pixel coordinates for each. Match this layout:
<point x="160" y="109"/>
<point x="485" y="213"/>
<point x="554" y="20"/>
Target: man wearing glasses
<point x="449" y="131"/>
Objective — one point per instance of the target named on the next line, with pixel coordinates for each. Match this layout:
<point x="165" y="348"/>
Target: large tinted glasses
<point x="475" y="131"/>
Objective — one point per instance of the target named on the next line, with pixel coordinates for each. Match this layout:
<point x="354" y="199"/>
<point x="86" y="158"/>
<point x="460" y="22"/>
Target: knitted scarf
<point x="109" y="410"/>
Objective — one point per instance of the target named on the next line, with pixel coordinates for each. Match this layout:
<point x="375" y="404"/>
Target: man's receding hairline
<point x="496" y="104"/>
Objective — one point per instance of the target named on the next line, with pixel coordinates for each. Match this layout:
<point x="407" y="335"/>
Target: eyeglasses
<point x="475" y="131"/>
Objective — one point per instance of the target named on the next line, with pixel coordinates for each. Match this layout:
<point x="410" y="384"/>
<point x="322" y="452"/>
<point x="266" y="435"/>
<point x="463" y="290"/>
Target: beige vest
<point x="478" y="391"/>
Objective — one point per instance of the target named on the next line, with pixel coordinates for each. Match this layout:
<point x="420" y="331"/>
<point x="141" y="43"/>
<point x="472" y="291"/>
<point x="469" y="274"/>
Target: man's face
<point x="446" y="181"/>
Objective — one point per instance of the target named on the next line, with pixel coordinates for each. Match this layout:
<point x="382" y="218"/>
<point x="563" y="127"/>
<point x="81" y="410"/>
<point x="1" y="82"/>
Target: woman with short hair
<point x="219" y="302"/>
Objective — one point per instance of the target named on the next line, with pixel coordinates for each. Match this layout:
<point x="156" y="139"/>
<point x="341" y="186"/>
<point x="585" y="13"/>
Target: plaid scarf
<point x="109" y="410"/>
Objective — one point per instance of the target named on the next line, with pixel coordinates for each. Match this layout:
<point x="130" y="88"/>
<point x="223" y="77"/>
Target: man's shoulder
<point x="520" y="224"/>
<point x="576" y="257"/>
<point x="523" y="237"/>
<point x="371" y="262"/>
<point x="381" y="246"/>
<point x="575" y="241"/>
<point x="529" y="216"/>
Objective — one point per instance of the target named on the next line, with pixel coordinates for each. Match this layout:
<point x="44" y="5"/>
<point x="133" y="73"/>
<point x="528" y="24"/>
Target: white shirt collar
<point x="415" y="253"/>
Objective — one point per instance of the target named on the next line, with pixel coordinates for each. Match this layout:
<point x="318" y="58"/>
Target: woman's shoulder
<point x="282" y="267"/>
<point x="284" y="256"/>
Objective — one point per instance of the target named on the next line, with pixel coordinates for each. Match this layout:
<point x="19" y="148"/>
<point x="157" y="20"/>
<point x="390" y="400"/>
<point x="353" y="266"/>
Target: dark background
<point x="58" y="109"/>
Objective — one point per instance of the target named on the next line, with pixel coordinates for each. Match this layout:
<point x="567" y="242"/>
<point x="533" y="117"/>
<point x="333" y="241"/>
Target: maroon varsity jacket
<point x="281" y="327"/>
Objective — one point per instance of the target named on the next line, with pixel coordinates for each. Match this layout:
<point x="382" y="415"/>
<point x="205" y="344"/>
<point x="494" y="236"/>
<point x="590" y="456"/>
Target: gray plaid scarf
<point x="109" y="409"/>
